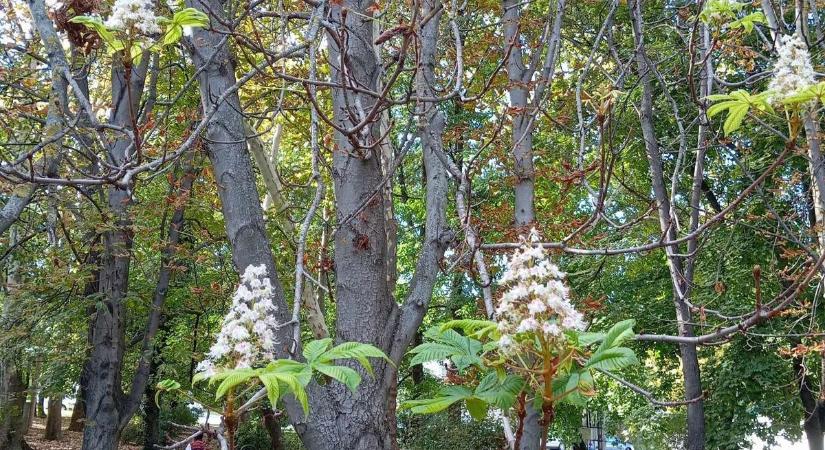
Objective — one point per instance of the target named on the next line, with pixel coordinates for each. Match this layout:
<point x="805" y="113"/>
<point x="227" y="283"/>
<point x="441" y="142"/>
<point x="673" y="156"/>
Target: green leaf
<point x="96" y="24"/>
<point x="431" y="351"/>
<point x="474" y="328"/>
<point x="447" y="396"/>
<point x="163" y="386"/>
<point x="499" y="392"/>
<point x="738" y="104"/>
<point x="313" y="349"/>
<point x="588" y="338"/>
<point x="190" y="17"/>
<point x="302" y="371"/>
<point x="462" y="350"/>
<point x="273" y="390"/>
<point x="735" y="116"/>
<point x="612" y="359"/>
<point x="233" y="378"/>
<point x="617" y="334"/>
<point x="173" y="35"/>
<point x="355" y="350"/>
<point x="748" y="22"/>
<point x="477" y="408"/>
<point x="345" y="375"/>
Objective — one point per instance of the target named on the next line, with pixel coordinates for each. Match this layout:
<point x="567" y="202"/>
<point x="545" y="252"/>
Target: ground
<point x="70" y="440"/>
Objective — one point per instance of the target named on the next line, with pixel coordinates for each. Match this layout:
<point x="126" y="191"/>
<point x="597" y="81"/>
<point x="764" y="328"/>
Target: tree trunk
<point x="151" y="419"/>
<point x="12" y="401"/>
<point x="272" y="424"/>
<point x="366" y="311"/>
<point x="813" y="408"/>
<point x="695" y="433"/>
<point x="31" y="404"/>
<point x="12" y="388"/>
<point x="54" y="421"/>
<point x="104" y="395"/>
<point x="41" y="406"/>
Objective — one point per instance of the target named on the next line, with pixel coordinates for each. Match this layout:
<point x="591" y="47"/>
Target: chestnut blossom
<point x="247" y="336"/>
<point x="133" y="15"/>
<point x="792" y="71"/>
<point x="536" y="300"/>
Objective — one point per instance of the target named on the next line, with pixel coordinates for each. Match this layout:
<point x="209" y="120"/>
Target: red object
<point x="198" y="445"/>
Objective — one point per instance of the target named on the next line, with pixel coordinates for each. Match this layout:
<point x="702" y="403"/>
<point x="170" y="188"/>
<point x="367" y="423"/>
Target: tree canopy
<point x="363" y="224"/>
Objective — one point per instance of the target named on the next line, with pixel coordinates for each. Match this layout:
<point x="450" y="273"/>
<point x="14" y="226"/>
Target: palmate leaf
<point x="475" y="328"/>
<point x="354" y="350"/>
<point x="813" y="92"/>
<point x="748" y="22"/>
<point x="187" y="17"/>
<point x="499" y="392"/>
<point x="431" y="351"/>
<point x="581" y="382"/>
<point x="313" y="349"/>
<point x="290" y="376"/>
<point x="345" y="375"/>
<point x="612" y="359"/>
<point x="588" y="338"/>
<point x="231" y="379"/>
<point x="302" y="371"/>
<point x="272" y="386"/>
<point x="447" y="396"/>
<point x="737" y="104"/>
<point x="617" y="334"/>
<point x="97" y="25"/>
<point x="190" y="17"/>
<point x="462" y="350"/>
<point x="165" y="386"/>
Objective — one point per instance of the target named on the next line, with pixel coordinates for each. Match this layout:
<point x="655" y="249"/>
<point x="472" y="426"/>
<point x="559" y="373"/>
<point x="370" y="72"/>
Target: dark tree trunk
<point x="12" y="402"/>
<point x="104" y="398"/>
<point x="814" y="408"/>
<point x="54" y="421"/>
<point x="78" y="414"/>
<point x="151" y="419"/>
<point x="272" y="424"/>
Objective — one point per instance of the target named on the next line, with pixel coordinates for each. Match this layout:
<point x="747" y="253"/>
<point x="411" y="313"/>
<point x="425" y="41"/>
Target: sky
<point x="782" y="444"/>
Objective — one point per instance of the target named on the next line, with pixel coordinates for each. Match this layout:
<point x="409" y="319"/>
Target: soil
<point x="70" y="441"/>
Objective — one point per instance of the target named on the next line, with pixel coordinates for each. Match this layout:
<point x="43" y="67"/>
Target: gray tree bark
<point x="366" y="310"/>
<point x="12" y="387"/>
<point x="695" y="432"/>
<point x="54" y="419"/>
<point x="105" y="403"/>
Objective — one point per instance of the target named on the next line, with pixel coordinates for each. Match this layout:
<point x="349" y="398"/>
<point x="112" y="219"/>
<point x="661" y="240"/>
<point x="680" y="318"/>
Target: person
<point x="197" y="443"/>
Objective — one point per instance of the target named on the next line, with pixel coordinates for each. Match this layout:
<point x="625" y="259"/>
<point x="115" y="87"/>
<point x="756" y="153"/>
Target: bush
<point x="133" y="433"/>
<point x="251" y="435"/>
<point x="447" y="430"/>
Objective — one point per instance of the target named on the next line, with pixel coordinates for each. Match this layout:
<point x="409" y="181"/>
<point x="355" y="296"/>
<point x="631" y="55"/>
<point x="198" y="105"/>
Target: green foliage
<point x="499" y="389"/>
<point x="187" y="17"/>
<point x="288" y="377"/>
<point x="738" y="104"/>
<point x="490" y="391"/>
<point x="448" y="344"/>
<point x="448" y="430"/>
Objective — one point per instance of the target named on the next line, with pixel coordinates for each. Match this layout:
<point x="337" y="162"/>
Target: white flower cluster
<point x="536" y="300"/>
<point x="793" y="70"/>
<point x="129" y="15"/>
<point x="247" y="335"/>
